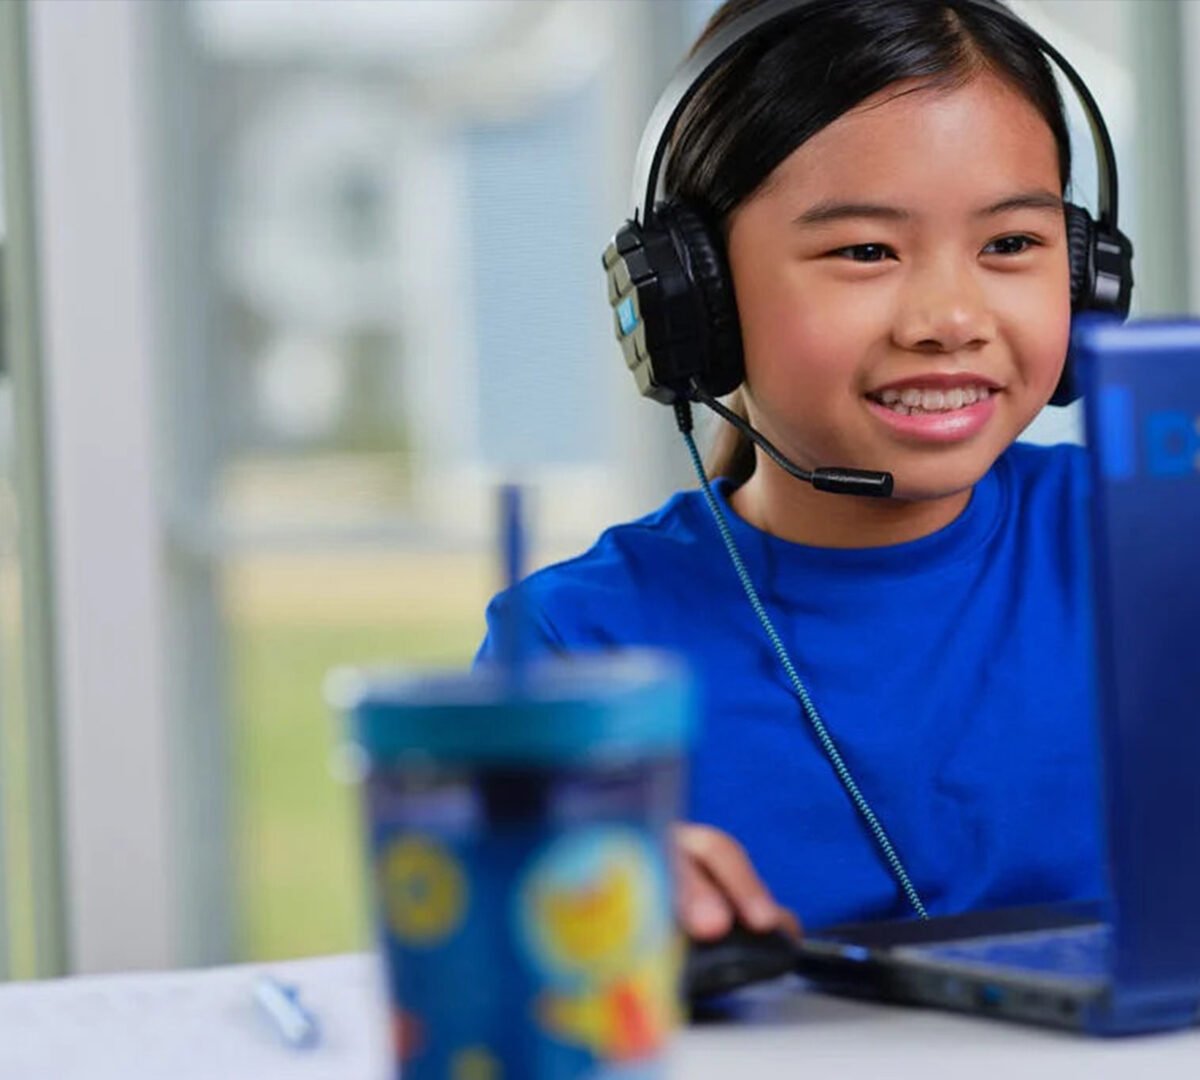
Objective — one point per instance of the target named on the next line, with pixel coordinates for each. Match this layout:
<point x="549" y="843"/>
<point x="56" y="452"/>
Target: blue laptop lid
<point x="1141" y="385"/>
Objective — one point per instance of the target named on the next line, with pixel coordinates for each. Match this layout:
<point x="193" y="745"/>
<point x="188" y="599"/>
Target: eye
<point x="865" y="252"/>
<point x="1011" y="245"/>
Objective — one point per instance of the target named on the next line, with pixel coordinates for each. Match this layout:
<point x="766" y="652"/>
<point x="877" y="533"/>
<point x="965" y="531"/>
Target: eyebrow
<point x="1026" y="200"/>
<point x="830" y="210"/>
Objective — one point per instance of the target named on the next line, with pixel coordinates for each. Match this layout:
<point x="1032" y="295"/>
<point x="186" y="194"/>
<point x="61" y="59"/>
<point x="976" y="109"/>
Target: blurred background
<point x="287" y="287"/>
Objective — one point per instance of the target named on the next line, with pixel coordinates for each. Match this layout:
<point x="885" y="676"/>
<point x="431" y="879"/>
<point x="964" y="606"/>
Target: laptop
<point x="1131" y="964"/>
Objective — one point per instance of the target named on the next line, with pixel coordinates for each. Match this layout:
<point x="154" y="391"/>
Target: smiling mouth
<point x="912" y="401"/>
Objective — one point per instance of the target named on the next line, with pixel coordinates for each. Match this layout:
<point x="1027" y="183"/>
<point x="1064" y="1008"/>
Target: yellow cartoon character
<point x="592" y="927"/>
<point x="595" y="910"/>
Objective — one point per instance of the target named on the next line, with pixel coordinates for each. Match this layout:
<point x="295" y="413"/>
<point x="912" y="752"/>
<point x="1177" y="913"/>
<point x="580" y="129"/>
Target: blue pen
<point x="281" y="1004"/>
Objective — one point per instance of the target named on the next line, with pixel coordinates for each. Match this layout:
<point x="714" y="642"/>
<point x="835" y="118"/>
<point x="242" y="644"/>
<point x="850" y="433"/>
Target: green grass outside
<point x="300" y="870"/>
<point x="300" y="855"/>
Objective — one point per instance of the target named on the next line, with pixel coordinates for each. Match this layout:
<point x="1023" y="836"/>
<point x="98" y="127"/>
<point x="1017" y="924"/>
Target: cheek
<point x="795" y="326"/>
<point x="1041" y="331"/>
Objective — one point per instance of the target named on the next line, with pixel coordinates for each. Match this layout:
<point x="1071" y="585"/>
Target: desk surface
<point x="201" y="1024"/>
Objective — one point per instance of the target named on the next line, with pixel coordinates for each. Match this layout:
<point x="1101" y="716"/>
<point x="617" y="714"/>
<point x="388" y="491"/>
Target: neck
<point x="788" y="508"/>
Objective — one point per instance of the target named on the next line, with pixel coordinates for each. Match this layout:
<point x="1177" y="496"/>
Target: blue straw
<point x="513" y="644"/>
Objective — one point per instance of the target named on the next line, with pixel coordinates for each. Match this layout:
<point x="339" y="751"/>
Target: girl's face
<point x="903" y="288"/>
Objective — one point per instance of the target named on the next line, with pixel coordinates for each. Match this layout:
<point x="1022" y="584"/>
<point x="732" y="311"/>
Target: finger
<point x="704" y="911"/>
<point x="789" y="924"/>
<point x="727" y="863"/>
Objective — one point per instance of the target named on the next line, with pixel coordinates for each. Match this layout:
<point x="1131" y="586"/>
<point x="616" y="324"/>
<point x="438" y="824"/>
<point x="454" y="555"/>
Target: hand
<point x="718" y="886"/>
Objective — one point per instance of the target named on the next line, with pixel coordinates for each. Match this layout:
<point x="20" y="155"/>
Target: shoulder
<point x="600" y="596"/>
<point x="1035" y="474"/>
<point x="1048" y="491"/>
<point x="623" y="552"/>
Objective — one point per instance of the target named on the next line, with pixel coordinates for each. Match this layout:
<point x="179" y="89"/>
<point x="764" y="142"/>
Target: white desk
<point x="202" y="1024"/>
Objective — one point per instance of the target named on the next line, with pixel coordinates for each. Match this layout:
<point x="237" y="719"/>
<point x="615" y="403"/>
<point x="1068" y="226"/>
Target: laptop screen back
<point x="1142" y="408"/>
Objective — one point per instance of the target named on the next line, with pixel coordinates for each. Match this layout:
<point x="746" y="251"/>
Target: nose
<point x="943" y="309"/>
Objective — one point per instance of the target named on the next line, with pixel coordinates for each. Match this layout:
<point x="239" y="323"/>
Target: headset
<point x="669" y="283"/>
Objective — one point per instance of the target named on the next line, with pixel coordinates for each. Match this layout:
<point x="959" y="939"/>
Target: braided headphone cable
<point x="683" y="416"/>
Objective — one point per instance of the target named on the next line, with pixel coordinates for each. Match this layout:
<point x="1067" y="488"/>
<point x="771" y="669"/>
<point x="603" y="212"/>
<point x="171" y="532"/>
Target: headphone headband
<point x="696" y="71"/>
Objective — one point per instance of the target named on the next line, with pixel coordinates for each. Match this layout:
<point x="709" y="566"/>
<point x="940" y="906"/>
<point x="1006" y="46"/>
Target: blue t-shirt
<point x="954" y="672"/>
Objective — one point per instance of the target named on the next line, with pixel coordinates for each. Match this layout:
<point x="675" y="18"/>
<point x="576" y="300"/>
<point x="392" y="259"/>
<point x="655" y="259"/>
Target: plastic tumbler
<point x="518" y="835"/>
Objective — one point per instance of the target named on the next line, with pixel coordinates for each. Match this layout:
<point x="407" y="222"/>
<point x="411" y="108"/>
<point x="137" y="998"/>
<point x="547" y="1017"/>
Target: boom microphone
<point x="832" y="478"/>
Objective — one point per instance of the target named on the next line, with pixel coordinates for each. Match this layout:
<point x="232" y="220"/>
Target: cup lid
<point x="626" y="703"/>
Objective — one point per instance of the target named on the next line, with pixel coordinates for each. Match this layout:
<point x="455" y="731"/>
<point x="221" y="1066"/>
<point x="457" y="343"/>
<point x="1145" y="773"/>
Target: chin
<point x="941" y="480"/>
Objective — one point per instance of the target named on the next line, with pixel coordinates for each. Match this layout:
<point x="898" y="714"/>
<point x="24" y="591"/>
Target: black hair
<point x="778" y="89"/>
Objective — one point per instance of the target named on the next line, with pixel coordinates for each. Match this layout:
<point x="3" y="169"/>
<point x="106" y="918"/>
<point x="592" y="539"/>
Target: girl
<point x="888" y="180"/>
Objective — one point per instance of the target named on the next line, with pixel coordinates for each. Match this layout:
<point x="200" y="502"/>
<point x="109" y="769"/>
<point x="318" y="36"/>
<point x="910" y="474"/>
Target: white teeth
<point x="911" y="400"/>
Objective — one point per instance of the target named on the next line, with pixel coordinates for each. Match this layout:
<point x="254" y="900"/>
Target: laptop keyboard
<point x="1077" y="950"/>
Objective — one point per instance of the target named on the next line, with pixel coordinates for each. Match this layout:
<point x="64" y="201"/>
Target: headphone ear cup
<point x="702" y="255"/>
<point x="1080" y="237"/>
